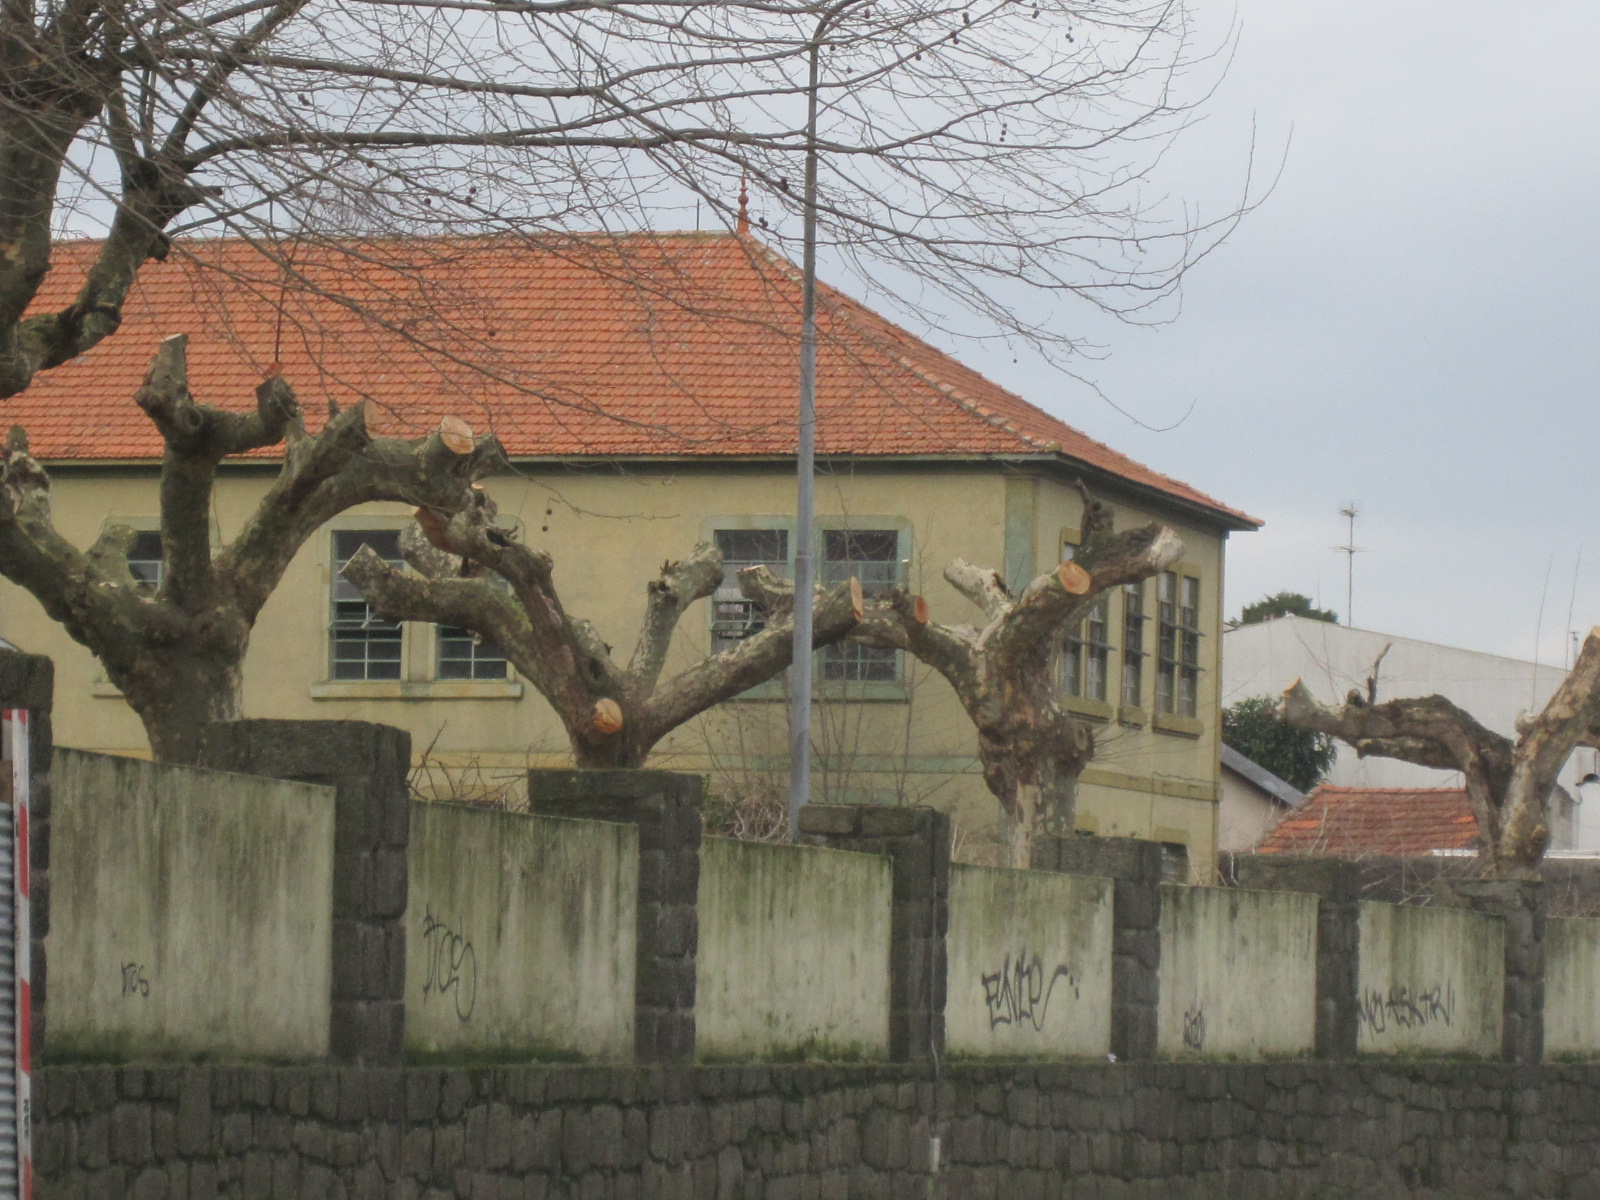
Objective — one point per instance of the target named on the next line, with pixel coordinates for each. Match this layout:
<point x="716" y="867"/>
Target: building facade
<point x="636" y="428"/>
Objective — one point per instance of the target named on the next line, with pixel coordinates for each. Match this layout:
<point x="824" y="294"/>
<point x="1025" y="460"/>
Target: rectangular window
<point x="1086" y="654"/>
<point x="145" y="560"/>
<point x="467" y="655"/>
<point x="362" y="644"/>
<point x="1178" y="656"/>
<point x="733" y="618"/>
<point x="1133" y="651"/>
<point x="873" y="557"/>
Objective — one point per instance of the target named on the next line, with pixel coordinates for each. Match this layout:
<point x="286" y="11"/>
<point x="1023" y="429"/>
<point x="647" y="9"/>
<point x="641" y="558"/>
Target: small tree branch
<point x="1058" y="599"/>
<point x="680" y="584"/>
<point x="754" y="660"/>
<point x="982" y="585"/>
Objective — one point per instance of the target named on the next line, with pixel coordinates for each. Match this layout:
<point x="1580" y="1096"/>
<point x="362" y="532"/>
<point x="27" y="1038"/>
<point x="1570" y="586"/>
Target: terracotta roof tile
<point x="649" y="345"/>
<point x="1348" y="822"/>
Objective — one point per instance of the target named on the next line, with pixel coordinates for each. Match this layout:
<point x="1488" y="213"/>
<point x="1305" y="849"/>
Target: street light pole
<point x="806" y="454"/>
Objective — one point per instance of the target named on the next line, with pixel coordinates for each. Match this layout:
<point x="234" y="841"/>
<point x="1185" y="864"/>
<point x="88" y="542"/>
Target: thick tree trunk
<point x="178" y="693"/>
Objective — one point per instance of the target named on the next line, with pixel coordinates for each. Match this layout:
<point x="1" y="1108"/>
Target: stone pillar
<point x="366" y="765"/>
<point x="1521" y="903"/>
<point x="917" y="841"/>
<point x="665" y="807"/>
<point x="1337" y="885"/>
<point x="28" y="681"/>
<point x="1137" y="868"/>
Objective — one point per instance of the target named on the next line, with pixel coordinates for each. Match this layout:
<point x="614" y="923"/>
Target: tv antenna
<point x="1349" y="512"/>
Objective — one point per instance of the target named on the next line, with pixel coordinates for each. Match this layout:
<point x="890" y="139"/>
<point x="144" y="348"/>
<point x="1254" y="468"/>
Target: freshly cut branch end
<point x="858" y="603"/>
<point x="1075" y="581"/>
<point x="919" y="610"/>
<point x="456" y="435"/>
<point x="606" y="717"/>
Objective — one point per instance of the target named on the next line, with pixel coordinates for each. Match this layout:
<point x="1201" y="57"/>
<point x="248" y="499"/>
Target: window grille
<point x="362" y="644"/>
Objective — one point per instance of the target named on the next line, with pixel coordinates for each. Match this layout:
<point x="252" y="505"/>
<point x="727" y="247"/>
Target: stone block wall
<point x="1199" y="1131"/>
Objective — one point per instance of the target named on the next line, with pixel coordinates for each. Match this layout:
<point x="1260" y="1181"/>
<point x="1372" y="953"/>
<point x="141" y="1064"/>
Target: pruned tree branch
<point x="1508" y="782"/>
<point x="613" y="715"/>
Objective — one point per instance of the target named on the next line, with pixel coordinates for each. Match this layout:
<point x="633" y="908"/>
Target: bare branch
<point x="982" y="585"/>
<point x="679" y="585"/>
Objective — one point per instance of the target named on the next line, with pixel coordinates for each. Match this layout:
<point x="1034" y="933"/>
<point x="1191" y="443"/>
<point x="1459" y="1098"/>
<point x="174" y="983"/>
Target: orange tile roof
<point x="1349" y="822"/>
<point x="667" y="345"/>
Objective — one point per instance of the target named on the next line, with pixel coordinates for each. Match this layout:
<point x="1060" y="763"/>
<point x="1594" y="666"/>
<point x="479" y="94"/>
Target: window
<point x="1133" y="651"/>
<point x="1178" y="657"/>
<point x="1086" y="654"/>
<point x="145" y="560"/>
<point x="873" y="557"/>
<point x="363" y="645"/>
<point x="733" y="618"/>
<point x="466" y="655"/>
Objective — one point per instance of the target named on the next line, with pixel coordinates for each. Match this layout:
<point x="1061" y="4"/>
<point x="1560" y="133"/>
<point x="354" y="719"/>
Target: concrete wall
<point x="1572" y="987"/>
<point x="191" y="912"/>
<point x="1030" y="964"/>
<point x="1238" y="973"/>
<point x="794" y="952"/>
<point x="1430" y="980"/>
<point x="520" y="935"/>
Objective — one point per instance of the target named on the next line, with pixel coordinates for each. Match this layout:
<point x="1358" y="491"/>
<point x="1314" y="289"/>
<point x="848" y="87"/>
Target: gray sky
<point x="1409" y="321"/>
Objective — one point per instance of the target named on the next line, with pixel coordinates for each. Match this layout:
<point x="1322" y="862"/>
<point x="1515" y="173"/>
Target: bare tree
<point x="1032" y="748"/>
<point x="966" y="145"/>
<point x="613" y="715"/>
<point x="1508" y="780"/>
<point x="175" y="650"/>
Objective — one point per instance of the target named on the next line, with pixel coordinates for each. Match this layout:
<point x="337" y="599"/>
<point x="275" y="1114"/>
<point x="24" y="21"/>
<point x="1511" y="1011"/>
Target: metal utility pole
<point x="1349" y="550"/>
<point x="806" y="455"/>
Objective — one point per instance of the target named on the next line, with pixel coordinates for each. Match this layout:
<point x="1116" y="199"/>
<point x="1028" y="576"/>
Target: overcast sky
<point x="1409" y="322"/>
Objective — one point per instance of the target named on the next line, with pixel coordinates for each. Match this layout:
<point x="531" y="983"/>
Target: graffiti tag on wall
<point x="1019" y="993"/>
<point x="1403" y="1007"/>
<point x="134" y="982"/>
<point x="452" y="965"/>
<point x="1194" y="1026"/>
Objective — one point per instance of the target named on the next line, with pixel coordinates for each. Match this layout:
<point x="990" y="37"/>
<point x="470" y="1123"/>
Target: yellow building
<point x="644" y="390"/>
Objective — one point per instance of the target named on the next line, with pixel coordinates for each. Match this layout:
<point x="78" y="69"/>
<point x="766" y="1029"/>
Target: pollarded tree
<point x="1032" y="747"/>
<point x="474" y="575"/>
<point x="1508" y="780"/>
<point x="176" y="650"/>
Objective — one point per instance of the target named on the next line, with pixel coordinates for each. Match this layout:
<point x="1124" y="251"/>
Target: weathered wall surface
<point x="1431" y="980"/>
<point x="520" y="935"/>
<point x="191" y="912"/>
<point x="794" y="952"/>
<point x="1385" y="1130"/>
<point x="1238" y="973"/>
<point x="1030" y="964"/>
<point x="1572" y="987"/>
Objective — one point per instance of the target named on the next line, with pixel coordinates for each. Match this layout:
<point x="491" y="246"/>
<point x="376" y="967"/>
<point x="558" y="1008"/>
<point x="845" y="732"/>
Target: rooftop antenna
<point x="1349" y="512"/>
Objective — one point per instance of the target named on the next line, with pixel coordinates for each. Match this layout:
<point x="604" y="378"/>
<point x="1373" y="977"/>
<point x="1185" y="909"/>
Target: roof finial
<point x="744" y="204"/>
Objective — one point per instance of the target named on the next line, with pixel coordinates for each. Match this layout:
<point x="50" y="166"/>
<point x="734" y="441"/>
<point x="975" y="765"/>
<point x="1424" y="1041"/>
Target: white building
<point x="1263" y="659"/>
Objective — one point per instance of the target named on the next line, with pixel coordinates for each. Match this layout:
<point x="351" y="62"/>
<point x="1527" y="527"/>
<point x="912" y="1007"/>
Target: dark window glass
<point x="145" y="561"/>
<point x="362" y="644"/>
<point x="873" y="557"/>
<point x="733" y="618"/>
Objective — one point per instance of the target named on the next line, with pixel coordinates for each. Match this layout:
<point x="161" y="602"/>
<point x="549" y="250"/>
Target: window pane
<point x="871" y="555"/>
<point x="465" y="655"/>
<point x="363" y="644"/>
<point x="145" y="561"/>
<point x="733" y="618"/>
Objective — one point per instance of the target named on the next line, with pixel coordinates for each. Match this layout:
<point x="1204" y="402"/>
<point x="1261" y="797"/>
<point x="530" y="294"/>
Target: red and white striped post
<point x="16" y="720"/>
